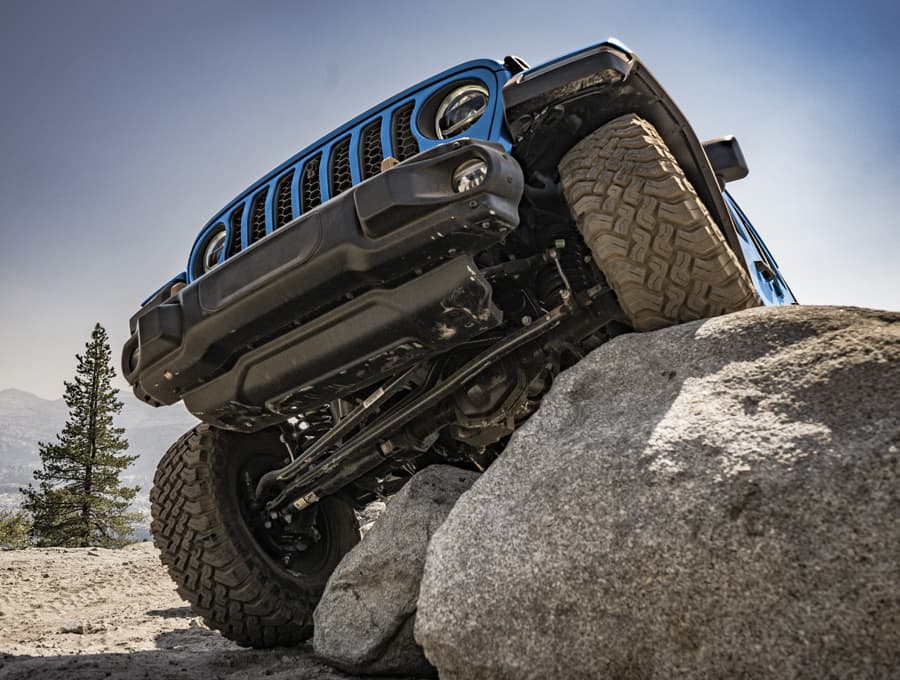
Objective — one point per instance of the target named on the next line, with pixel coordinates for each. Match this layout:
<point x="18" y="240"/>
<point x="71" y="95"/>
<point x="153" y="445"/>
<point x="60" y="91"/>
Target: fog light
<point x="469" y="175"/>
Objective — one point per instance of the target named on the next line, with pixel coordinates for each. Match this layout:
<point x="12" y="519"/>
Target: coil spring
<point x="573" y="256"/>
<point x="319" y="421"/>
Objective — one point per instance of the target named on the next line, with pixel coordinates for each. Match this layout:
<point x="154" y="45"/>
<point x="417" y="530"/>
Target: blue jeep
<point x="403" y="292"/>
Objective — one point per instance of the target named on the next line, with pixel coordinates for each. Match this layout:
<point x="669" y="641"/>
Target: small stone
<point x="76" y="628"/>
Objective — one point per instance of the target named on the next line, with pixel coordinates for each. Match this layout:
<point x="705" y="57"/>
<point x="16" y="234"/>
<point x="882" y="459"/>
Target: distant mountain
<point x="26" y="419"/>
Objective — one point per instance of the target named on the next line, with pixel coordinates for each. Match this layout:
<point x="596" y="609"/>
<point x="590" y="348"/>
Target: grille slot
<point x="405" y="145"/>
<point x="348" y="160"/>
<point x="284" y="211"/>
<point x="310" y="191"/>
<point x="258" y="216"/>
<point x="234" y="224"/>
<point x="340" y="167"/>
<point x="370" y="152"/>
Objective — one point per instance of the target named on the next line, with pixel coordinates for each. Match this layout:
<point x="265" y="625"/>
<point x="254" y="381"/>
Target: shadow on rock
<point x="717" y="499"/>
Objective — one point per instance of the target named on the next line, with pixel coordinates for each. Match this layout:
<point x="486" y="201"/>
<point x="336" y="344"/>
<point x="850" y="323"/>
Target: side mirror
<point x="726" y="158"/>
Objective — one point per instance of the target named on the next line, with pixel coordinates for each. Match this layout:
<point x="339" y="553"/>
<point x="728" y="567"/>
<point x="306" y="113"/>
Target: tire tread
<point x="647" y="229"/>
<point x="207" y="558"/>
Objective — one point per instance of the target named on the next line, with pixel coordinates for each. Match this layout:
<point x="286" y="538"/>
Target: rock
<point x="369" y="515"/>
<point x="84" y="627"/>
<point x="76" y="627"/>
<point x="717" y="499"/>
<point x="364" y="621"/>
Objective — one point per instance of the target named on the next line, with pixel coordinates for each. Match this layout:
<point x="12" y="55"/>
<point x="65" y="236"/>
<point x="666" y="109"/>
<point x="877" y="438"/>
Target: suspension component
<point x="568" y="268"/>
<point x="335" y="434"/>
<point x="362" y="453"/>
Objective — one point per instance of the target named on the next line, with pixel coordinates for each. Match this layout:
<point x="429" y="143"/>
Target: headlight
<point x="135" y="358"/>
<point x="469" y="175"/>
<point x="212" y="253"/>
<point x="460" y="110"/>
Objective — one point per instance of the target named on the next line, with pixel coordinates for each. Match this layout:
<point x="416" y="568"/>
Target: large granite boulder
<point x="719" y="499"/>
<point x="364" y="621"/>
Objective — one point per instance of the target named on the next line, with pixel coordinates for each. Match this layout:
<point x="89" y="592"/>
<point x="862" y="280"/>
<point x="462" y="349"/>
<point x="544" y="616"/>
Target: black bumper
<point x="368" y="283"/>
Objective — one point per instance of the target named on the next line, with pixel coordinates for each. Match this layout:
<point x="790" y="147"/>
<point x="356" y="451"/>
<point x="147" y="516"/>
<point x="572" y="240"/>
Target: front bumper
<point x="372" y="281"/>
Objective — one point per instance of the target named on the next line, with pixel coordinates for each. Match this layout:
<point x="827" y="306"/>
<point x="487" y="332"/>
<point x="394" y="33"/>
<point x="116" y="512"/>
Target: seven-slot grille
<point x="320" y="176"/>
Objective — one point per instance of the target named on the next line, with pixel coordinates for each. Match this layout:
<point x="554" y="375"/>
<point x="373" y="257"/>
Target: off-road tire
<point x="648" y="231"/>
<point x="212" y="554"/>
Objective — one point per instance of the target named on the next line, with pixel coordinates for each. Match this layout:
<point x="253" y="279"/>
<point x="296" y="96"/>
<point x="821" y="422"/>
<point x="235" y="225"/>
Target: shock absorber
<point x="572" y="255"/>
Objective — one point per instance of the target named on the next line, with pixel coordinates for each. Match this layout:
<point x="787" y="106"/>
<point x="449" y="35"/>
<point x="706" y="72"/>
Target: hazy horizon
<point x="126" y="126"/>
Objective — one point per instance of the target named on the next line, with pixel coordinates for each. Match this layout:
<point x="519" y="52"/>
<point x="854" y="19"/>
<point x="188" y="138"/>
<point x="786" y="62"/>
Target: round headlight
<point x="212" y="253"/>
<point x="469" y="175"/>
<point x="135" y="358"/>
<point x="460" y="110"/>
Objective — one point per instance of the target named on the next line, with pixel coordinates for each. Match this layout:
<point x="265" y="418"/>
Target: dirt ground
<point x="90" y="613"/>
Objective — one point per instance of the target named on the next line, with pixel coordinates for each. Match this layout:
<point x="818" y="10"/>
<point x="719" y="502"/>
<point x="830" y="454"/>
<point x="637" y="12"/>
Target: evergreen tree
<point x="80" y="500"/>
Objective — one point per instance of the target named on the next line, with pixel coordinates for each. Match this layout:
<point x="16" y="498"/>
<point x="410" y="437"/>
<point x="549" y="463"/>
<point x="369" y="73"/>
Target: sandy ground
<point x="95" y="613"/>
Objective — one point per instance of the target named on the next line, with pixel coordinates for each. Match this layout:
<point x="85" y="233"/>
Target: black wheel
<point x="648" y="231"/>
<point x="258" y="585"/>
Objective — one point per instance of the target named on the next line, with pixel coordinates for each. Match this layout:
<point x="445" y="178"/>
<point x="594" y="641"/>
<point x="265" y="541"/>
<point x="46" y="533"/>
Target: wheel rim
<point x="301" y="548"/>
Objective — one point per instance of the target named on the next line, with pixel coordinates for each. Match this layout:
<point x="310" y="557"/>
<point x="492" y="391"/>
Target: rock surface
<point x="718" y="499"/>
<point x="364" y="621"/>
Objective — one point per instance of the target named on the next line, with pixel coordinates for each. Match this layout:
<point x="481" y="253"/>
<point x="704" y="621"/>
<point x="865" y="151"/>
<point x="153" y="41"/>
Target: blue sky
<point x="126" y="126"/>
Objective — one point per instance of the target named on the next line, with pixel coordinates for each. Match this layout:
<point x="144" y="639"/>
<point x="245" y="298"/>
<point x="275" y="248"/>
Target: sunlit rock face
<point x="717" y="499"/>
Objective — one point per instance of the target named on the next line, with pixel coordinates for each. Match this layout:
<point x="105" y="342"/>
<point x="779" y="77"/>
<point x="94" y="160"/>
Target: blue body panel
<point x="490" y="126"/>
<point x="776" y="291"/>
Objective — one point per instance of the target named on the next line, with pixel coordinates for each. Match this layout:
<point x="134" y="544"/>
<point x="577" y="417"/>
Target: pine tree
<point x="80" y="500"/>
